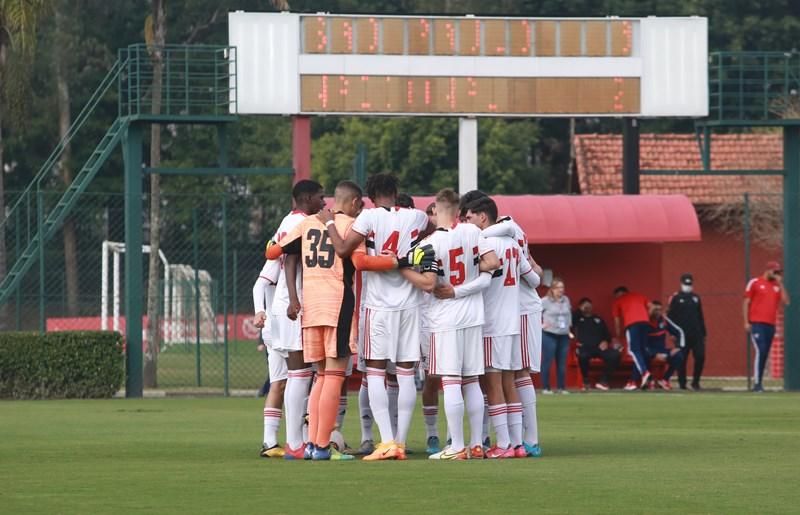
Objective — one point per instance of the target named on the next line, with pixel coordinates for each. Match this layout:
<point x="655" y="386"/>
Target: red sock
<point x="329" y="405"/>
<point x="313" y="407"/>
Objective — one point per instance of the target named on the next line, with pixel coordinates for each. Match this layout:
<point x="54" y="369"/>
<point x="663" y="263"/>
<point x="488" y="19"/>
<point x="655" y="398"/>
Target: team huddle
<point x="450" y="290"/>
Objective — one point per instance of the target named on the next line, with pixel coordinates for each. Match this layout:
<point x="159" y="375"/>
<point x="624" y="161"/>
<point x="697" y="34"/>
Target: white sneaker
<point x="563" y="392"/>
<point x="547" y="392"/>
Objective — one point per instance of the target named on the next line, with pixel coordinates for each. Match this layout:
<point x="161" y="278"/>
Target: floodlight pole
<point x="132" y="153"/>
<point x="791" y="252"/>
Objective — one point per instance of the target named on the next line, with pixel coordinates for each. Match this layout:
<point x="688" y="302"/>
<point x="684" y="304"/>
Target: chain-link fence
<point x="212" y="249"/>
<point x="740" y="234"/>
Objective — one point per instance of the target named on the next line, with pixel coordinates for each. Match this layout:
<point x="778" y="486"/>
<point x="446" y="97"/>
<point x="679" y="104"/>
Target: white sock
<point x="392" y="393"/>
<point x="342" y="411"/>
<point x="379" y="402"/>
<point x="485" y="433"/>
<point x="406" y="402"/>
<point x="272" y="420"/>
<point x="431" y="414"/>
<point x="364" y="411"/>
<point x="473" y="398"/>
<point x="515" y="423"/>
<point x="293" y="397"/>
<point x="499" y="416"/>
<point x="454" y="410"/>
<point x="527" y="396"/>
<point x="305" y="412"/>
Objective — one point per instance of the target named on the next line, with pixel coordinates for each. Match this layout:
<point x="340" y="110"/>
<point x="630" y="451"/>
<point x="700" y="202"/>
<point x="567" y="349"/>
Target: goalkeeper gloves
<point x="269" y="244"/>
<point x="422" y="256"/>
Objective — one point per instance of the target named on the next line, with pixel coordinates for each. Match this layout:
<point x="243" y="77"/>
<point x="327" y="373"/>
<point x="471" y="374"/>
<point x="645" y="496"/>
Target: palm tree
<point x="18" y="22"/>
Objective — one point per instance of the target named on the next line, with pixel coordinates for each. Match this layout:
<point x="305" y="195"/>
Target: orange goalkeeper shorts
<point x="324" y="341"/>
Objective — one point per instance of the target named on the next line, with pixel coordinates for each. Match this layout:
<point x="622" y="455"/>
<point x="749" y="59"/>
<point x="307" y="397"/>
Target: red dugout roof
<point x="598" y="218"/>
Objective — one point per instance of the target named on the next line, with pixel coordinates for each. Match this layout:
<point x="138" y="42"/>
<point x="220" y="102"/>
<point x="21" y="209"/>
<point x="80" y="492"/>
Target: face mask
<point x="686" y="288"/>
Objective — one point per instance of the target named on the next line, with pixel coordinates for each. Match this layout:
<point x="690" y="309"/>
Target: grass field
<point x="604" y="453"/>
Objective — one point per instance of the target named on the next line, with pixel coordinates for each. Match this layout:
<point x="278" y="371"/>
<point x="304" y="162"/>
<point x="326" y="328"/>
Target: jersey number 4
<point x="392" y="242"/>
<point x="320" y="249"/>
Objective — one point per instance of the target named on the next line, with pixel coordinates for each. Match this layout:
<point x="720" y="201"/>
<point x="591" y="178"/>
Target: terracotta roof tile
<point x="599" y="164"/>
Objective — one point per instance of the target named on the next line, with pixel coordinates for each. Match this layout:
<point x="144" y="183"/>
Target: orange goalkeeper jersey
<point x="328" y="298"/>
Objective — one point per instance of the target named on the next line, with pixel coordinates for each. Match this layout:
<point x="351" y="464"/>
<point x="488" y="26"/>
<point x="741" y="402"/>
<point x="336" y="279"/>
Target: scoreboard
<point x="290" y="63"/>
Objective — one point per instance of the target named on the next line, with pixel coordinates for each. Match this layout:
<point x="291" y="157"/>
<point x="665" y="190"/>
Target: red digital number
<point x="457" y="271"/>
<point x="392" y="243"/>
<point x="511" y="254"/>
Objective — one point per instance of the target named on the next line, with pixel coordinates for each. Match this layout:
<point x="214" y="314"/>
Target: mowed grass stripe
<point x="636" y="453"/>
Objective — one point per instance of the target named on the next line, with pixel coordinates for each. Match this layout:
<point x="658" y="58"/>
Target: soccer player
<point x="431" y="384"/>
<point x="501" y="334"/>
<point x="391" y="324"/>
<point x="328" y="321"/>
<point x="530" y="325"/>
<point x="465" y="263"/>
<point x="632" y="311"/>
<point x="286" y="339"/>
<point x="263" y="291"/>
<point x="661" y="325"/>
<point x="762" y="299"/>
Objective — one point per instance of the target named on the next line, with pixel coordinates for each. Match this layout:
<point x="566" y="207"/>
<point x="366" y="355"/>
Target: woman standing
<point x="556" y="321"/>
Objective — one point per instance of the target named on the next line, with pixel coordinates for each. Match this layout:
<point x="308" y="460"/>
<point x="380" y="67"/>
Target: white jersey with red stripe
<point x="501" y="300"/>
<point x="529" y="299"/>
<point x="395" y="229"/>
<point x="281" y="299"/>
<point x="458" y="251"/>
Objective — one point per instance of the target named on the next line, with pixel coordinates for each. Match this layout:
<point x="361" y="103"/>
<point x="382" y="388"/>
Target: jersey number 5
<point x="320" y="248"/>
<point x="457" y="271"/>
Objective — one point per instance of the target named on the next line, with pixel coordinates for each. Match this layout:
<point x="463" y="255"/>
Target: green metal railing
<point x="754" y="86"/>
<point x="196" y="80"/>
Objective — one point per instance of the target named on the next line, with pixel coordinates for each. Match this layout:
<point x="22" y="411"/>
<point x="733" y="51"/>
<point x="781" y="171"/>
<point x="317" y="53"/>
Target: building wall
<point x="717" y="263"/>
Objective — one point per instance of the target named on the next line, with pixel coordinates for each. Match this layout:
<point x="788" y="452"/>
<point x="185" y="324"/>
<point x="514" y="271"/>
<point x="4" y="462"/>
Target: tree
<point x="18" y="22"/>
<point x="155" y="35"/>
<point x="63" y="55"/>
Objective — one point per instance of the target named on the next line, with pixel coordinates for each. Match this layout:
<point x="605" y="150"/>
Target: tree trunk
<point x="4" y="323"/>
<point x="153" y="297"/>
<point x="64" y="121"/>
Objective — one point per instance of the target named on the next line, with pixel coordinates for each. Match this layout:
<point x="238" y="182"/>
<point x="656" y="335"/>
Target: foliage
<point x="60" y="365"/>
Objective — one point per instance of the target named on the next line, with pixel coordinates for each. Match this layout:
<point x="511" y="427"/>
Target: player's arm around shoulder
<point x="423" y="257"/>
<point x="489" y="262"/>
<point x="344" y="245"/>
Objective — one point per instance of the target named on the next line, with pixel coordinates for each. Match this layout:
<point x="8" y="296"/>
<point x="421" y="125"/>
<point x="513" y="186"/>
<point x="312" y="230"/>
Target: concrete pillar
<point x="301" y="147"/>
<point x="467" y="154"/>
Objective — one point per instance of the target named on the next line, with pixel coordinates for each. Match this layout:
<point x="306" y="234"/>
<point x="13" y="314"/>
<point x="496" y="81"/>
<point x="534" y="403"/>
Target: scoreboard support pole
<point x="630" y="156"/>
<point x="791" y="253"/>
<point x="467" y="154"/>
<point x="301" y="148"/>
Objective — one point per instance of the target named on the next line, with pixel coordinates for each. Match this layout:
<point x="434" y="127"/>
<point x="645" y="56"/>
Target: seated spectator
<point x="594" y="341"/>
<point x="657" y="343"/>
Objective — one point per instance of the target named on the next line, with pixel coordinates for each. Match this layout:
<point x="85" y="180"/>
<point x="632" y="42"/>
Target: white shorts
<point x="278" y="369"/>
<point x="531" y="341"/>
<point x="457" y="352"/>
<point x="424" y="349"/>
<point x="392" y="335"/>
<point x="287" y="335"/>
<point x="502" y="352"/>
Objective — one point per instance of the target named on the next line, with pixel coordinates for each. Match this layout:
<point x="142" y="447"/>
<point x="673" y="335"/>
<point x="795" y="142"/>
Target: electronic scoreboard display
<point x="469" y="66"/>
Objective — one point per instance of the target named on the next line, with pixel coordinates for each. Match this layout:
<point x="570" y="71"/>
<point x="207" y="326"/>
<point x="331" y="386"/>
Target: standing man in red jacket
<point x="763" y="296"/>
<point x="632" y="311"/>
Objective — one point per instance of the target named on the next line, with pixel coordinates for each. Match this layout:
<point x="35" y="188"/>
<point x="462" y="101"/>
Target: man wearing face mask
<point x="762" y="299"/>
<point x="686" y="311"/>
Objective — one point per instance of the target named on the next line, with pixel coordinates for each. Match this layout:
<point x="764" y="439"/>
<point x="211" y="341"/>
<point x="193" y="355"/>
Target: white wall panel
<point x="675" y="66"/>
<point x="267" y="47"/>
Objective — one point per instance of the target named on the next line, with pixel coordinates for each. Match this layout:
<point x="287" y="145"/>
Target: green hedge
<point x="75" y="364"/>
